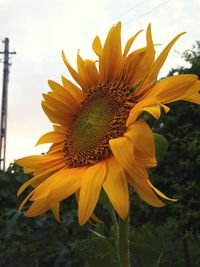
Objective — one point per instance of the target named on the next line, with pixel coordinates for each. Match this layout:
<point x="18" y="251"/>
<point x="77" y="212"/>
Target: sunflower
<point x="100" y="141"/>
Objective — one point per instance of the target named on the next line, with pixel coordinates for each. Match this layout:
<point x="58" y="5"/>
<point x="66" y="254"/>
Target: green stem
<point x="116" y="229"/>
<point x="123" y="243"/>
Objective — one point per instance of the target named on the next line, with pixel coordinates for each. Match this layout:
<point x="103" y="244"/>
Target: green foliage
<point x="36" y="241"/>
<point x="177" y="175"/>
<point x="144" y="256"/>
<point x="97" y="252"/>
<point x="192" y="56"/>
<point x="161" y="146"/>
<point x="179" y="169"/>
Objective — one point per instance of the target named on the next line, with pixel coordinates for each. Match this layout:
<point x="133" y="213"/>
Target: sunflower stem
<point x="123" y="242"/>
<point x="116" y="228"/>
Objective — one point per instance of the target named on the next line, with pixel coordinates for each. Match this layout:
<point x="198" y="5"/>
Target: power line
<point x="138" y="17"/>
<point x="148" y="12"/>
<point x="129" y="10"/>
<point x="118" y="16"/>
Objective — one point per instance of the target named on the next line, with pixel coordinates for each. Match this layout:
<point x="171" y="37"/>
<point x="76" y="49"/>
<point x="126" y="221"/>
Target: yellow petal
<point x="51" y="137"/>
<point x="155" y="111"/>
<point x="97" y="46"/>
<point x="110" y="63"/>
<point x="86" y="85"/>
<point x="144" y="147"/>
<point x="43" y="174"/>
<point x="51" y="184"/>
<point x="88" y="72"/>
<point x="161" y="194"/>
<point x="145" y="63"/>
<point x="56" y="211"/>
<point x="116" y="187"/>
<point x="54" y="115"/>
<point x="91" y="69"/>
<point x="133" y="67"/>
<point x="193" y="94"/>
<point x="27" y="183"/>
<point x="75" y="91"/>
<point x="28" y="170"/>
<point x="126" y="154"/>
<point x="139" y="108"/>
<point x="150" y="51"/>
<point x="90" y="189"/>
<point x="37" y="161"/>
<point x="69" y="96"/>
<point x="25" y="200"/>
<point x="195" y="98"/>
<point x="55" y="148"/>
<point x="129" y="43"/>
<point x="60" y="115"/>
<point x="138" y="179"/>
<point x="63" y="108"/>
<point x="58" y="128"/>
<point x="65" y="184"/>
<point x="74" y="74"/>
<point x="93" y="216"/>
<point x="122" y="149"/>
<point x="157" y="65"/>
<point x="37" y="208"/>
<point x="172" y="88"/>
<point x="52" y="170"/>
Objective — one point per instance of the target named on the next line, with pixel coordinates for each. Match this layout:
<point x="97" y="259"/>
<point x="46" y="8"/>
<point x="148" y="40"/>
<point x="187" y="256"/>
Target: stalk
<point x="123" y="242"/>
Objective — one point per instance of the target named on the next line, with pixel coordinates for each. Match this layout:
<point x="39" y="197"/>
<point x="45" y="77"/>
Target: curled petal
<point x="138" y="176"/>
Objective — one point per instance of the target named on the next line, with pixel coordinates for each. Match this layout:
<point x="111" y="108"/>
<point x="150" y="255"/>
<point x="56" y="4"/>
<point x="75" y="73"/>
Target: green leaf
<point x="97" y="252"/>
<point x="148" y="118"/>
<point x="135" y="86"/>
<point x="96" y="233"/>
<point x="161" y="145"/>
<point x="158" y="260"/>
<point x="144" y="256"/>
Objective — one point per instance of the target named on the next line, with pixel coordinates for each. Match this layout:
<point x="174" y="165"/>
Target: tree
<point x="177" y="173"/>
<point x="191" y="56"/>
<point x="35" y="241"/>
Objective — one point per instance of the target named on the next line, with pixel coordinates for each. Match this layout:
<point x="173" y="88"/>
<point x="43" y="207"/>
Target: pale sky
<point x="39" y="29"/>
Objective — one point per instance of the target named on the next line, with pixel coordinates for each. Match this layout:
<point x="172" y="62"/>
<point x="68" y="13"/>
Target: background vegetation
<point x="172" y="230"/>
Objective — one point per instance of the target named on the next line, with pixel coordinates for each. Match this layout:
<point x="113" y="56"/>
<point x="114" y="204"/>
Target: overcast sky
<point x="39" y="29"/>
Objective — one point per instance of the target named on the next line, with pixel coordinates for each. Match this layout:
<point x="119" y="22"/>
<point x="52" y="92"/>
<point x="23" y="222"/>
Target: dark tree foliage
<point x="191" y="56"/>
<point x="181" y="165"/>
<point x="177" y="175"/>
<point x="38" y="241"/>
<point x="178" y="172"/>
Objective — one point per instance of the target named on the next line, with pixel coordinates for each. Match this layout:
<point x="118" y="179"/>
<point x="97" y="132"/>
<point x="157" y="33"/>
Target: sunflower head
<point x="102" y="117"/>
<point x="99" y="141"/>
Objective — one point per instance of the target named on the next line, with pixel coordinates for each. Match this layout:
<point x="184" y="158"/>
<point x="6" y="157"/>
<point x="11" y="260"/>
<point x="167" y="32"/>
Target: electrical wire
<point x="118" y="16"/>
<point x="129" y="10"/>
<point x="148" y="12"/>
<point x="138" y="17"/>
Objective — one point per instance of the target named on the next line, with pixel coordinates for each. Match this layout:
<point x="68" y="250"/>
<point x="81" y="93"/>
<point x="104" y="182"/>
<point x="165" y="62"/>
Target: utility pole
<point x="4" y="104"/>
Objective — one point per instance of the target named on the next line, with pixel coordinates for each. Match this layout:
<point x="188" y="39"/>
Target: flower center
<point x="102" y="117"/>
<point x="91" y="125"/>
